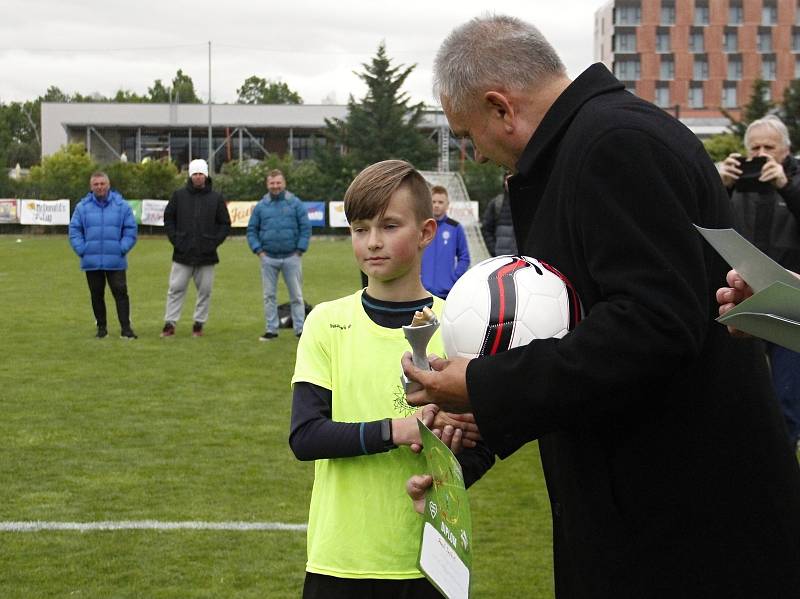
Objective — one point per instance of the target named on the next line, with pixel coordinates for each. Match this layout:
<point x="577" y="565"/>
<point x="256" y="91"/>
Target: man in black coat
<point x="197" y="222"/>
<point x="497" y="227"/>
<point x="662" y="446"/>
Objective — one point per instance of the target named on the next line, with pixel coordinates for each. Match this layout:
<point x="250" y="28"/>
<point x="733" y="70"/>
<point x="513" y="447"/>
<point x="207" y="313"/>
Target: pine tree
<point x="381" y="126"/>
<point x="757" y="107"/>
<point x="790" y="112"/>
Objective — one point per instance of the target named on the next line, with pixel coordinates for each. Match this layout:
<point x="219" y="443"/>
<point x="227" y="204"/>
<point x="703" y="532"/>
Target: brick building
<point x="693" y="57"/>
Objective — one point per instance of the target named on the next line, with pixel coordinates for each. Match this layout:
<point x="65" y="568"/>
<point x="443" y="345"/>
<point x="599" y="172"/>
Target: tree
<point x="790" y="112"/>
<point x="720" y="146"/>
<point x="158" y="94"/>
<point x="257" y="90"/>
<point x="757" y="107"/>
<point x="382" y="125"/>
<point x="64" y="174"/>
<point x="182" y="91"/>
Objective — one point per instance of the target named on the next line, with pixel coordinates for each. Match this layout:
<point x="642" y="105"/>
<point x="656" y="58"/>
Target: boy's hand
<point x="416" y="487"/>
<point x="456" y="430"/>
<point x="405" y="430"/>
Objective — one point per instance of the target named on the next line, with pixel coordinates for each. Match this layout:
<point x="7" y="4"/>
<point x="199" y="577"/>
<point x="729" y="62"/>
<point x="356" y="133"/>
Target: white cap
<point x="198" y="166"/>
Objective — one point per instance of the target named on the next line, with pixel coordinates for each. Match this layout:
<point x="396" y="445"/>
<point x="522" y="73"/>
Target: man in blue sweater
<point x="278" y="233"/>
<point x="102" y="231"/>
<point x="447" y="257"/>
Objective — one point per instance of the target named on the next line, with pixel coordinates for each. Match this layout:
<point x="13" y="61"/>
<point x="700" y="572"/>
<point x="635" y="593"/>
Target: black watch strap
<point x="386" y="434"/>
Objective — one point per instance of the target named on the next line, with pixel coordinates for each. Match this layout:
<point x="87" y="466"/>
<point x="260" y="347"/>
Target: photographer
<point x="765" y="197"/>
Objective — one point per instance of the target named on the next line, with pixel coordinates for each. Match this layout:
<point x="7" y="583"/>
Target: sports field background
<point x="184" y="430"/>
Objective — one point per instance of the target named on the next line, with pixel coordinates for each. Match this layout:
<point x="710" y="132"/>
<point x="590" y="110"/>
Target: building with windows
<point x="180" y="132"/>
<point x="694" y="57"/>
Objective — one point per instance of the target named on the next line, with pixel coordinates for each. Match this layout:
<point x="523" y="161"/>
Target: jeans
<point x="786" y="380"/>
<point x="292" y="269"/>
<point x="117" y="281"/>
<point x="179" y="277"/>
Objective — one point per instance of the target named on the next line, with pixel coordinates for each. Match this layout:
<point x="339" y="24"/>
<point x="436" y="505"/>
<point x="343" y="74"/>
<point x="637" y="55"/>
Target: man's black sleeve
<point x="314" y="436"/>
<point x="475" y="462"/>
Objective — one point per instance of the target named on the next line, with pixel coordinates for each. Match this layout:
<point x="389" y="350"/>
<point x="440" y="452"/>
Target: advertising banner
<point x="316" y="213"/>
<point x="336" y="216"/>
<point x="464" y="212"/>
<point x="8" y="211"/>
<point x="153" y="212"/>
<point x="136" y="206"/>
<point x="240" y="212"/>
<point x="38" y="212"/>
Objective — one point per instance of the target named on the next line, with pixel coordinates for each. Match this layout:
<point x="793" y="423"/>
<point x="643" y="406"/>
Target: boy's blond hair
<point x="440" y="189"/>
<point x="370" y="192"/>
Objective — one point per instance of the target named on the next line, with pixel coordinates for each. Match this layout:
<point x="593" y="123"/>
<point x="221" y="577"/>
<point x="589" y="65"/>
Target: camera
<point x="751" y="171"/>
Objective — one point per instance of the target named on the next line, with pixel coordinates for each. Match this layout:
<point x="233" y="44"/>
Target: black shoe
<point x="128" y="334"/>
<point x="197" y="329"/>
<point x="267" y="336"/>
<point x="298" y="335"/>
<point x="168" y="330"/>
<point x="101" y="332"/>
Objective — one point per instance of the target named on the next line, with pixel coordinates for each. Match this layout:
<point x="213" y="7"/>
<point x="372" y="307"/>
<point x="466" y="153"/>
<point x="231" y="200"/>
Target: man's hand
<point x="772" y="172"/>
<point x="261" y="254"/>
<point x="457" y="431"/>
<point x="416" y="487"/>
<point x="729" y="169"/>
<point x="445" y="385"/>
<point x="728" y="297"/>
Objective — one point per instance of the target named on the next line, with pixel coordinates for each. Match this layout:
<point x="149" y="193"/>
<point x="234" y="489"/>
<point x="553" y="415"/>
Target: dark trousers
<point x="119" y="289"/>
<point x="319" y="586"/>
<point x="785" y="365"/>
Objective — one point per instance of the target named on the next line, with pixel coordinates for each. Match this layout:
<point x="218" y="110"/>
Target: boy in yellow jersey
<point x="349" y="411"/>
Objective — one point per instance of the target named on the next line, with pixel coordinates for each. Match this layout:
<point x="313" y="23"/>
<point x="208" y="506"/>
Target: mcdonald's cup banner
<point x="8" y="211"/>
<point x="336" y="216"/>
<point x="38" y="212"/>
<point x="240" y="213"/>
<point x="136" y="207"/>
<point x="153" y="212"/>
<point x="316" y="213"/>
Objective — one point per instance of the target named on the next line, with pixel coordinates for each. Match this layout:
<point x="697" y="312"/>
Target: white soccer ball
<point x="505" y="302"/>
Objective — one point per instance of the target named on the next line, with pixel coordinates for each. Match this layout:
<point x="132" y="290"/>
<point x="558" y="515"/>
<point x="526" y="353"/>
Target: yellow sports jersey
<point x="361" y="523"/>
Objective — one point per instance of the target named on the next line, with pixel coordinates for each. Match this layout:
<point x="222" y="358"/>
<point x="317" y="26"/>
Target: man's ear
<point x="500" y="106"/>
<point x="427" y="232"/>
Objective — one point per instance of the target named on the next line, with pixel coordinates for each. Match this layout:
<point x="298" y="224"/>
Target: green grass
<point x="185" y="429"/>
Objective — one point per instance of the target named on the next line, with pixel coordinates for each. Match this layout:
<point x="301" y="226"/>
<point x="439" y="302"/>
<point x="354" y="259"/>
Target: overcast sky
<point x="312" y="45"/>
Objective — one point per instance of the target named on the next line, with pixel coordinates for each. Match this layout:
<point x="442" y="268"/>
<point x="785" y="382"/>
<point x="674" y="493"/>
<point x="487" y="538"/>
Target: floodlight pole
<point x="210" y="139"/>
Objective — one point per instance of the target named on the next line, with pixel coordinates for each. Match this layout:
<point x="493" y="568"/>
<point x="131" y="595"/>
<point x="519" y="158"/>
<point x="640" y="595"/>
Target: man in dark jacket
<point x="102" y="231"/>
<point x="197" y="222"/>
<point x="662" y="446"/>
<point x="278" y="233"/>
<point x="497" y="226"/>
<point x="767" y="212"/>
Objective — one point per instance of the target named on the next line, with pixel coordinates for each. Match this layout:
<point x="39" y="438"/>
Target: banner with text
<point x="240" y="213"/>
<point x="336" y="216"/>
<point x="8" y="211"/>
<point x="153" y="212"/>
<point x="136" y="207"/>
<point x="316" y="213"/>
<point x="38" y="212"/>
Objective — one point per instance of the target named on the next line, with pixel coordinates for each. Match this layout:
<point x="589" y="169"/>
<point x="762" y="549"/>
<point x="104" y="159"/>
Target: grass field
<point x="184" y="429"/>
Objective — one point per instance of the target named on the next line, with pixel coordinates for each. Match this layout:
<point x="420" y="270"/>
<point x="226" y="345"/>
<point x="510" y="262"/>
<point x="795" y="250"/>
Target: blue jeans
<point x="786" y="380"/>
<point x="292" y="269"/>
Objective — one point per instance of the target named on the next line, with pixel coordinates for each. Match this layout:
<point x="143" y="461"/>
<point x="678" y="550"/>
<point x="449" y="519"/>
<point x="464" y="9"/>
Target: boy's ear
<point x="427" y="232"/>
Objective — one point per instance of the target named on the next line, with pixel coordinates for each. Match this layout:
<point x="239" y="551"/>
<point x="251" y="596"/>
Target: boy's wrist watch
<point x="386" y="434"/>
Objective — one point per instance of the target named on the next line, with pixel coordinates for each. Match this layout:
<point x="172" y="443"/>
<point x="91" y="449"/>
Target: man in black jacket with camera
<point x="197" y="222"/>
<point x="765" y="196"/>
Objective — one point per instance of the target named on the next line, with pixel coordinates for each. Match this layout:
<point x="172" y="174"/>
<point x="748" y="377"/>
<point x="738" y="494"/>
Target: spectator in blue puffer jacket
<point x="102" y="232"/>
<point x="447" y="257"/>
<point x="278" y="233"/>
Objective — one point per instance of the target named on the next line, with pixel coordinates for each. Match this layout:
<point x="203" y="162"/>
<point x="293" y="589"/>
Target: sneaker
<point x="197" y="329"/>
<point x="168" y="330"/>
<point x="267" y="336"/>
<point x="128" y="334"/>
<point x="101" y="332"/>
<point x="298" y="335"/>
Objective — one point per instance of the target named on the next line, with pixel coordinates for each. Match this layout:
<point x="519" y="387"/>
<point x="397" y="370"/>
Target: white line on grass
<point x="36" y="526"/>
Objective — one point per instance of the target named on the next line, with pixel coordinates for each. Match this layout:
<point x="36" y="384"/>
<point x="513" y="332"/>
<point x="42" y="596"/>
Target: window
<point x="662" y="40"/>
<point x="701" y="12"/>
<point x="797" y="67"/>
<point x="764" y="42"/>
<point x="700" y="68"/>
<point x="795" y="39"/>
<point x="730" y="40"/>
<point x="627" y="70"/>
<point x="696" y="96"/>
<point x="662" y="95"/>
<point x="768" y="69"/>
<point x="667" y="68"/>
<point x="767" y="95"/>
<point x="735" y="13"/>
<point x="769" y="13"/>
<point x="734" y="68"/>
<point x="729" y="98"/>
<point x="625" y="41"/>
<point x="696" y="40"/>
<point x="627" y="14"/>
<point x="667" y="12"/>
